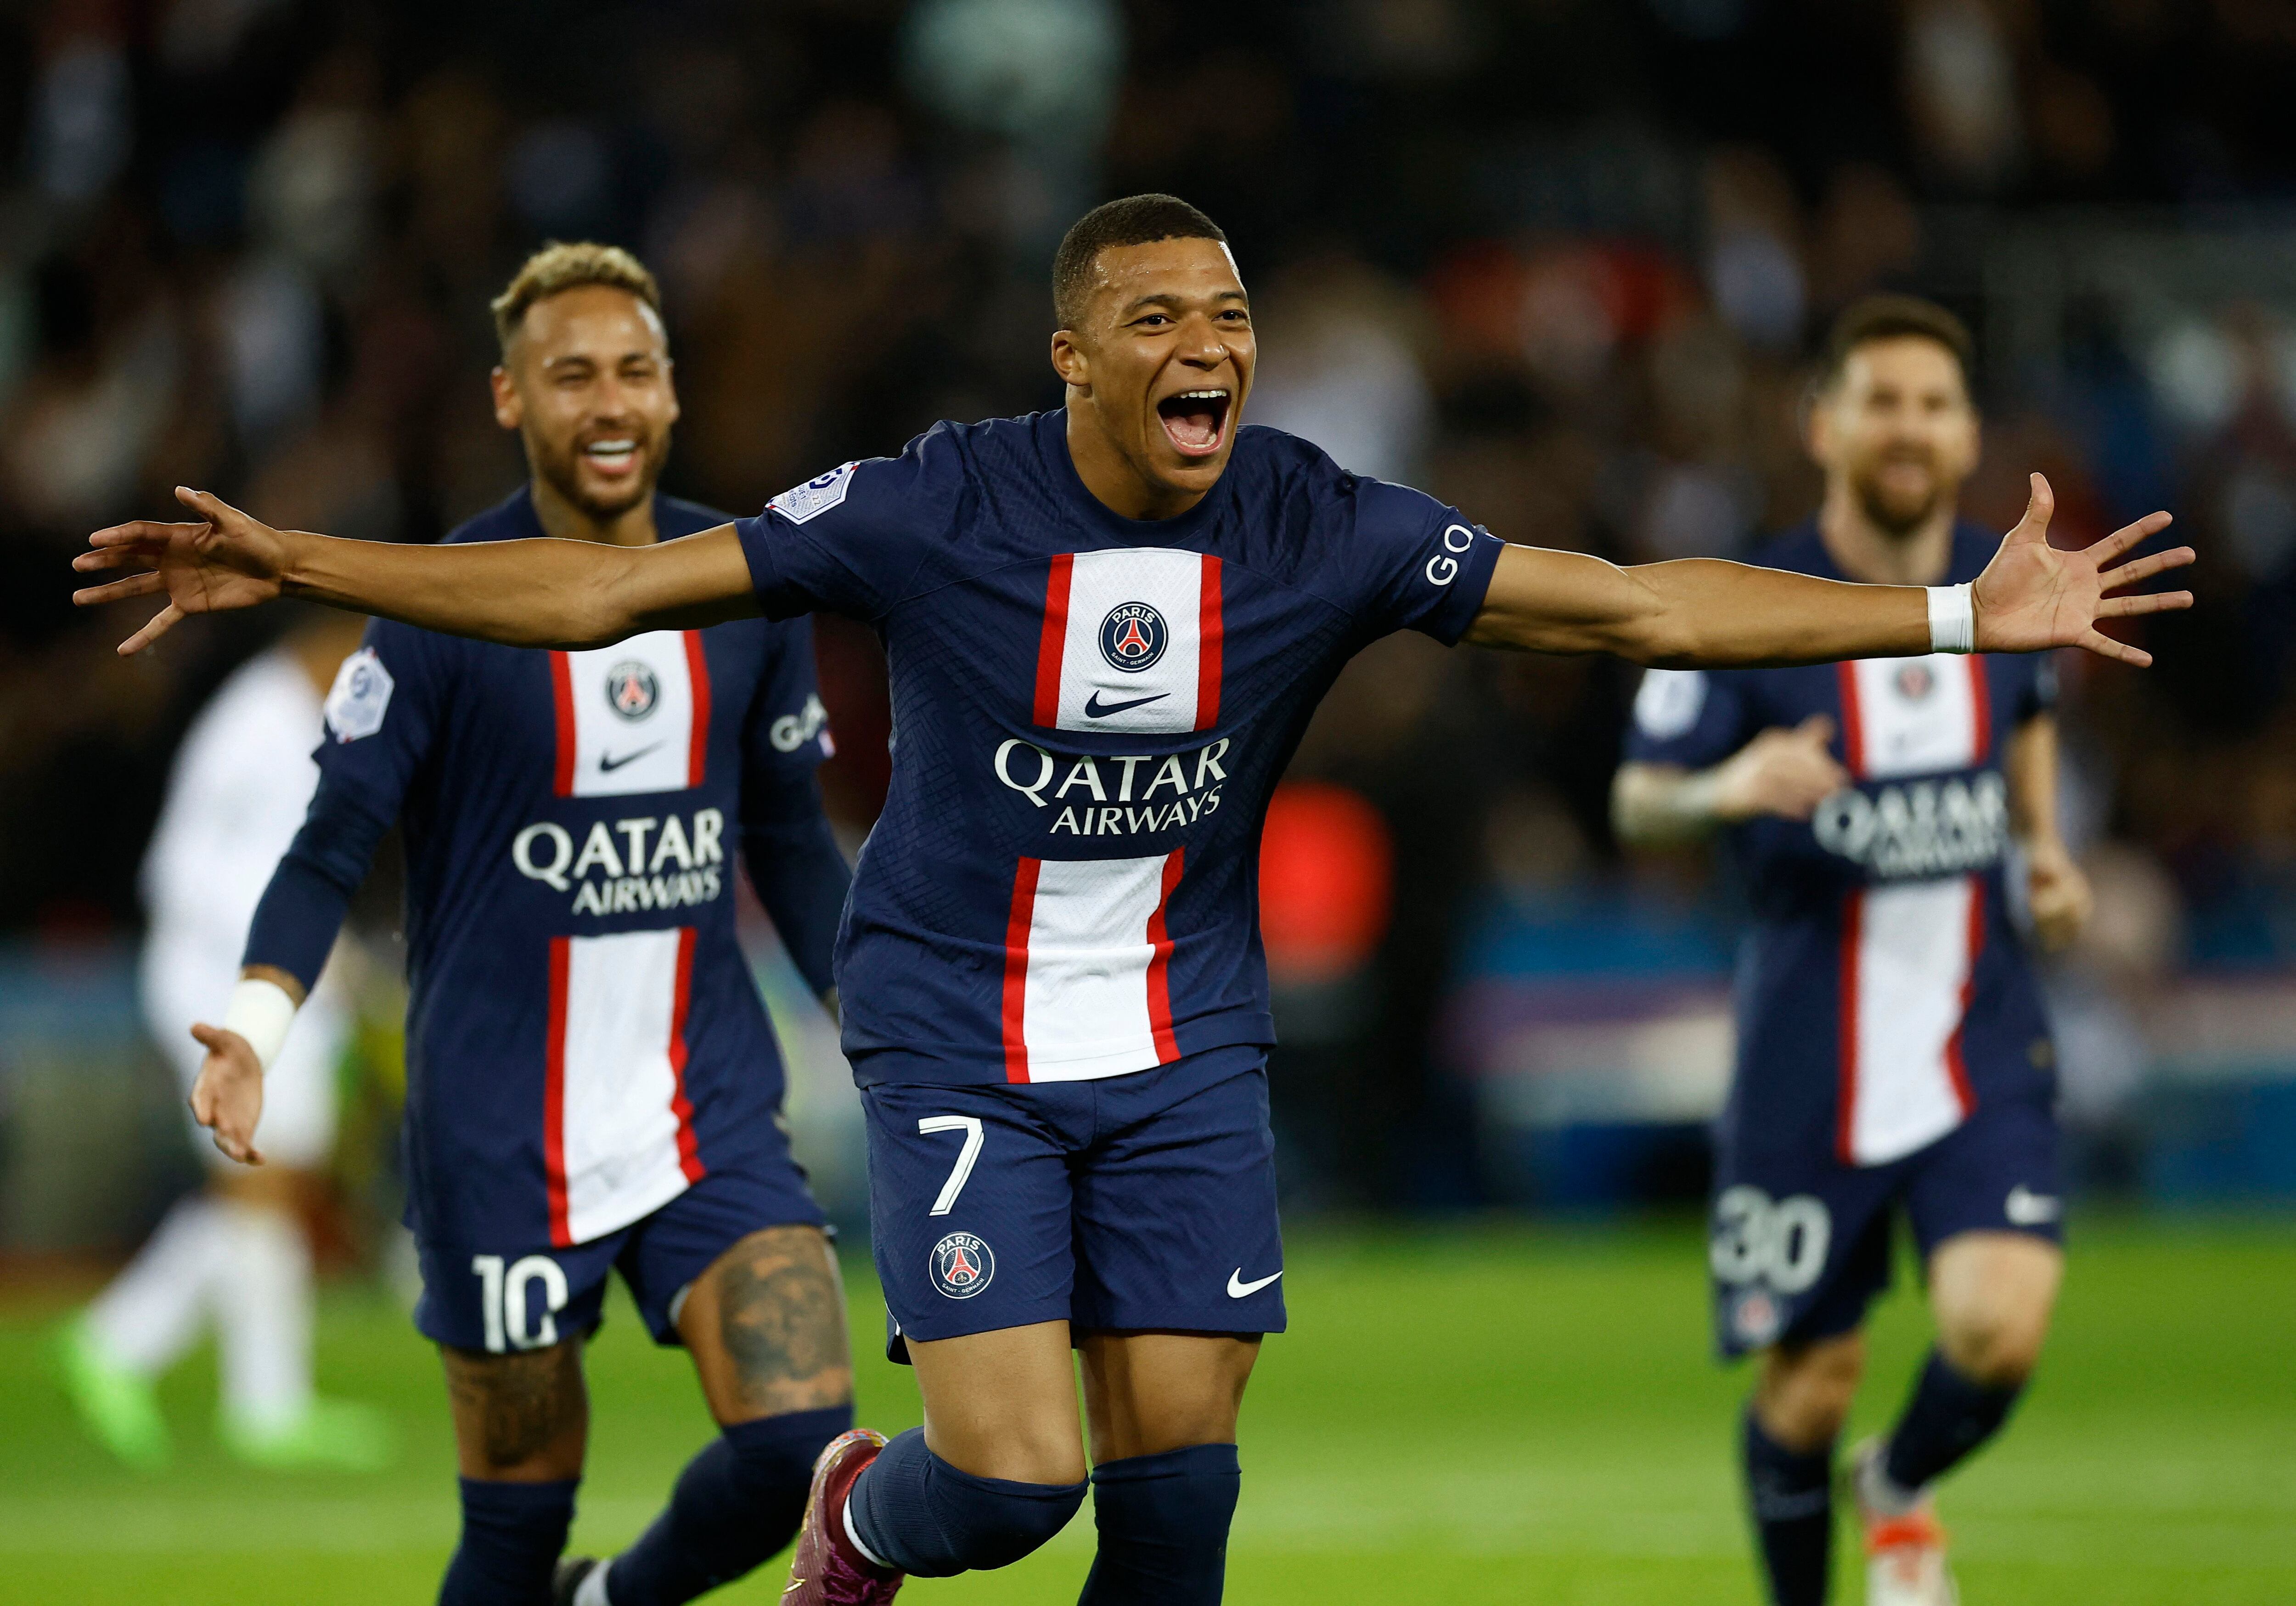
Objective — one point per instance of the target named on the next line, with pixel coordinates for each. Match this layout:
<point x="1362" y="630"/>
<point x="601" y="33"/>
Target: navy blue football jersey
<point x="584" y="1037"/>
<point x="1883" y="990"/>
<point x="1089" y="714"/>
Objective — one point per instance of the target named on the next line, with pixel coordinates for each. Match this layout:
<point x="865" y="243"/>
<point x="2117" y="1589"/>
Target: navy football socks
<point x="1163" y="1523"/>
<point x="737" y="1502"/>
<point x="914" y="1512"/>
<point x="1948" y="1416"/>
<point x="1792" y="1496"/>
<point x="512" y="1534"/>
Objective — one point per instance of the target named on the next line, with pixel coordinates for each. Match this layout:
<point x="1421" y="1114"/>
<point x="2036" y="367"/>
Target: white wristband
<point x="261" y="1011"/>
<point x="1953" y="620"/>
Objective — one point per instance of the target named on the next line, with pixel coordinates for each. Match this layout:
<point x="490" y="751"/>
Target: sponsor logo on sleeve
<point x="792" y="732"/>
<point x="360" y="696"/>
<point x="962" y="1265"/>
<point x="1669" y="702"/>
<point x="815" y="497"/>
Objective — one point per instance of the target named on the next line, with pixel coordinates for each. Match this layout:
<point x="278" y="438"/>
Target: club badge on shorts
<point x="962" y="1265"/>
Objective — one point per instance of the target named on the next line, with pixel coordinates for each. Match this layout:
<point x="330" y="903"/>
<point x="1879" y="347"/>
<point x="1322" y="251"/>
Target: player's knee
<point x="1998" y="1349"/>
<point x="1805" y="1393"/>
<point x="928" y="1518"/>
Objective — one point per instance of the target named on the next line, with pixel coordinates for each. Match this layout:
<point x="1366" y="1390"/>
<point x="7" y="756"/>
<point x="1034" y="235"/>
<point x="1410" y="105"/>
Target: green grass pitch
<point x="1486" y="1414"/>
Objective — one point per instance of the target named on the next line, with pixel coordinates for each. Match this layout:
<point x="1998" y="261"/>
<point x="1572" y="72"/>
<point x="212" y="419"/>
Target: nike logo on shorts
<point x="2025" y="1208"/>
<point x="1238" y="1288"/>
<point x="1094" y="709"/>
<point x="608" y="764"/>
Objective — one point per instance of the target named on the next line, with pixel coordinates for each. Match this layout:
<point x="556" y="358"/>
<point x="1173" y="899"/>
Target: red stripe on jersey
<point x="1956" y="1068"/>
<point x="553" y="1076"/>
<point x="1981" y="711"/>
<point x="1853" y="723"/>
<point x="697" y="673"/>
<point x="1208" y="637"/>
<point x="561" y="692"/>
<point x="1052" y="643"/>
<point x="1853" y="912"/>
<point x="1016" y="966"/>
<point x="1159" y="987"/>
<point x="689" y="1159"/>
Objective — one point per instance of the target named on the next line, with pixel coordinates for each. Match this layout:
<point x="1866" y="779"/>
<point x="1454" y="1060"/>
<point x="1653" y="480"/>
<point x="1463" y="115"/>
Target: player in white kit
<point x="234" y="1254"/>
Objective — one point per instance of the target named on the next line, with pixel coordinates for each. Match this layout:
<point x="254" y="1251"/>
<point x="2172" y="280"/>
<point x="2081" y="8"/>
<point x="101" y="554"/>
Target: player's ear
<point x="1069" y="361"/>
<point x="510" y="409"/>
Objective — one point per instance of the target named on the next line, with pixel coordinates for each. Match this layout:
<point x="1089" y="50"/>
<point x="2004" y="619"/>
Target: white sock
<point x="592" y="1590"/>
<point x="1880" y="1491"/>
<point x="871" y="1556"/>
<point x="263" y="1318"/>
<point x="151" y="1312"/>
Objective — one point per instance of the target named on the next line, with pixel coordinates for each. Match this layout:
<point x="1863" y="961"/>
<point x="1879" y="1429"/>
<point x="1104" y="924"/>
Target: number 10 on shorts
<point x="503" y="1303"/>
<point x="969" y="1125"/>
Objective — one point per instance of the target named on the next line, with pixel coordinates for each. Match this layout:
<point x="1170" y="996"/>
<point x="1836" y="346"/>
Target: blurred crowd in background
<point x="1561" y="262"/>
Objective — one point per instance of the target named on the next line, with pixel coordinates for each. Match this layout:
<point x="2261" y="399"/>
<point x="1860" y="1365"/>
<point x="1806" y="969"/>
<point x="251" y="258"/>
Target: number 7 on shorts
<point x="969" y="1125"/>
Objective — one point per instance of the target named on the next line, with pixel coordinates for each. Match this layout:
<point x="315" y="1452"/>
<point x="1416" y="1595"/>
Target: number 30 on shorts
<point x="961" y="1172"/>
<point x="503" y="1301"/>
<point x="1782" y="1242"/>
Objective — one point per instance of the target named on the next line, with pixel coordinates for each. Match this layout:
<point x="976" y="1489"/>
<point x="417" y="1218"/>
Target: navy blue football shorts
<point x="1799" y="1250"/>
<point x="500" y="1297"/>
<point x="1139" y="1202"/>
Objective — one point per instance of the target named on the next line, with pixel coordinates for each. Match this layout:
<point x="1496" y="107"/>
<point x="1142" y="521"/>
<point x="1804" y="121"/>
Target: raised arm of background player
<point x="1787" y="772"/>
<point x="1692" y="613"/>
<point x="793" y="860"/>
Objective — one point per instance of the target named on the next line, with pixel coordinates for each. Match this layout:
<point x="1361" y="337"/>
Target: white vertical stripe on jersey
<point x="624" y="1142"/>
<point x="1092" y="999"/>
<point x="1916" y="716"/>
<point x="1907" y="955"/>
<point x="610" y="753"/>
<point x="1170" y="582"/>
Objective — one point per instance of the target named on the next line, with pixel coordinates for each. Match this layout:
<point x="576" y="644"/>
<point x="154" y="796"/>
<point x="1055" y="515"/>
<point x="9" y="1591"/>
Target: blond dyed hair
<point x="562" y="266"/>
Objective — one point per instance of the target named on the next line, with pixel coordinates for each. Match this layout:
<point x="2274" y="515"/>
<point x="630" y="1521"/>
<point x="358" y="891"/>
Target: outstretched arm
<point x="1704" y="613"/>
<point x="526" y="593"/>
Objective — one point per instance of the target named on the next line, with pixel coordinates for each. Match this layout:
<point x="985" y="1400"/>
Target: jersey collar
<point x="1052" y="431"/>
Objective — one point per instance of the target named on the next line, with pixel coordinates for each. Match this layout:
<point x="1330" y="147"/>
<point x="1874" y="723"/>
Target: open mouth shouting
<point x="1196" y="421"/>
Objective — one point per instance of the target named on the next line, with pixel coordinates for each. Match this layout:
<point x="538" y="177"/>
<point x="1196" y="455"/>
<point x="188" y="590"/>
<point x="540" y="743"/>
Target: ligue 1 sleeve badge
<point x="962" y="1265"/>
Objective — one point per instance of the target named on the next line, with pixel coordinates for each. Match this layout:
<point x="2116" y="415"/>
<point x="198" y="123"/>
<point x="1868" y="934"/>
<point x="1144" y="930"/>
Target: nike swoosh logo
<point x="1238" y="1288"/>
<point x="2027" y="1208"/>
<point x="1094" y="709"/>
<point x="608" y="764"/>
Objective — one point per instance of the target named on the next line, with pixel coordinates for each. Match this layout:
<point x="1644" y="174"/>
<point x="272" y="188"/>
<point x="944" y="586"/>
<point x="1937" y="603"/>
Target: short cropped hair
<point x="1874" y="318"/>
<point x="1135" y="220"/>
<point x="562" y="266"/>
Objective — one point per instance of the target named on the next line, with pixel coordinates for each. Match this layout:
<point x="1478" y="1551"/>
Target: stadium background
<point x="1560" y="261"/>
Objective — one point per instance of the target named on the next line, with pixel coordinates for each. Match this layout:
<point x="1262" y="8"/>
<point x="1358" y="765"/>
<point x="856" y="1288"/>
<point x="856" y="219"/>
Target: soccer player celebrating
<point x="1106" y="627"/>
<point x="1892" y="1052"/>
<point x="592" y="1083"/>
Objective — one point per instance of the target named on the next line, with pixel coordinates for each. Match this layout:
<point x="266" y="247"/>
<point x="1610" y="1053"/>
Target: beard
<point x="563" y="471"/>
<point x="1892" y="509"/>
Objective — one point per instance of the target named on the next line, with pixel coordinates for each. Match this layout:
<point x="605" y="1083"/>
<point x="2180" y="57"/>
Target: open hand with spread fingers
<point x="2032" y="595"/>
<point x="225" y="561"/>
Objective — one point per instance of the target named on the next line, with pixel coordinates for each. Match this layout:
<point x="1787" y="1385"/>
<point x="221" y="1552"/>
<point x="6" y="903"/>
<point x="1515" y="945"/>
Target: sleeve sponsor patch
<point x="815" y="497"/>
<point x="359" y="697"/>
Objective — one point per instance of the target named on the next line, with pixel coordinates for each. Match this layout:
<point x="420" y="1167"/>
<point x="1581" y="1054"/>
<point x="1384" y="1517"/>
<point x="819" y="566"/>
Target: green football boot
<point x="119" y="1407"/>
<point x="331" y="1435"/>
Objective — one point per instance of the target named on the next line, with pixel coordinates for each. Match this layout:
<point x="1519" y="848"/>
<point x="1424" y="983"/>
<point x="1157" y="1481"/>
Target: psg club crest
<point x="962" y="1265"/>
<point x="1755" y="1318"/>
<point x="1133" y="636"/>
<point x="1916" y="681"/>
<point x="631" y="690"/>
